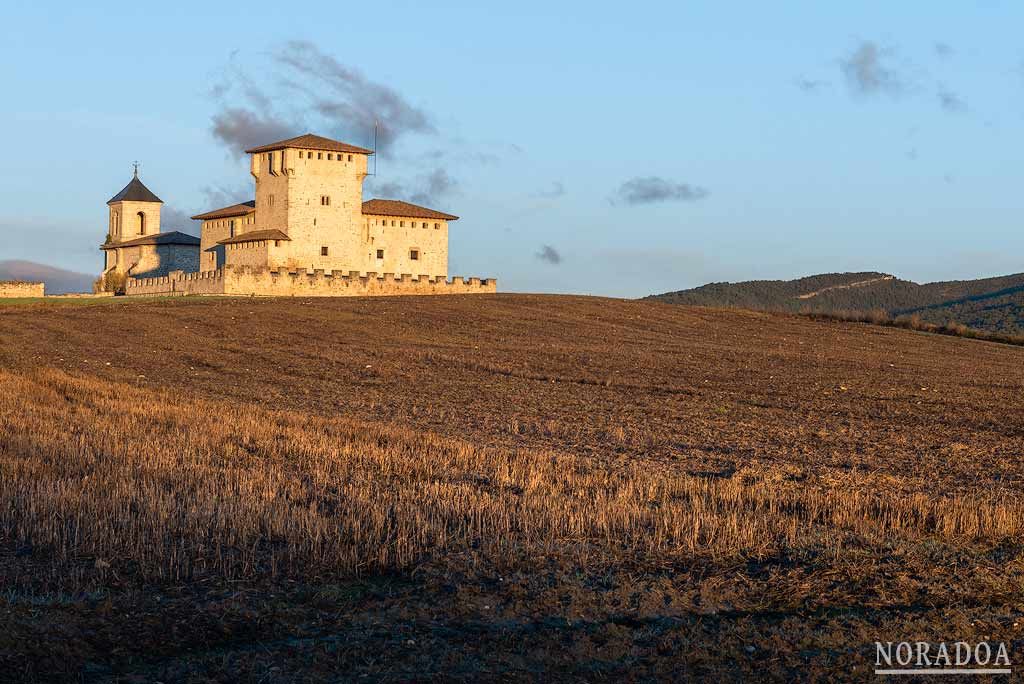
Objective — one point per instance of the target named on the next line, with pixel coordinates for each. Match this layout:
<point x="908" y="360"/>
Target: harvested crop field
<point x="506" y="487"/>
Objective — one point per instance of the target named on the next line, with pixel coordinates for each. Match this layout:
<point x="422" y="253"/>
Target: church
<point x="308" y="220"/>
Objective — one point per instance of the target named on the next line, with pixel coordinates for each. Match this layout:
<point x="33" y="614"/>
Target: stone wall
<point x="316" y="198"/>
<point x="152" y="261"/>
<point x="124" y="220"/>
<point x="285" y="283"/>
<point x="214" y="230"/>
<point x="397" y="236"/>
<point x="18" y="288"/>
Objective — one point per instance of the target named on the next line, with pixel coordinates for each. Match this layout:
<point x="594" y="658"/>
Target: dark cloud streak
<point x="306" y="87"/>
<point x="867" y="72"/>
<point x="549" y="255"/>
<point x="652" y="189"/>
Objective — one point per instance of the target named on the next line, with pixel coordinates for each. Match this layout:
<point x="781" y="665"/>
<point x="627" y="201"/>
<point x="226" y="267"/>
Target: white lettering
<point x="977" y="653"/>
<point x="942" y="657"/>
<point x="904" y="653"/>
<point x="922" y="654"/>
<point x="1002" y="657"/>
<point x="883" y="652"/>
<point x="963" y="653"/>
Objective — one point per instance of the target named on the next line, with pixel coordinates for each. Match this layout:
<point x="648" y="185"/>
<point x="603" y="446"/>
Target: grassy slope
<point x="495" y="487"/>
<point x="993" y="304"/>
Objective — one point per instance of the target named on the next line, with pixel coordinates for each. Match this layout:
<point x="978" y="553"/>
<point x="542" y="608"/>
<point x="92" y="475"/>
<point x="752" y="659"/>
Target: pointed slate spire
<point x="135" y="191"/>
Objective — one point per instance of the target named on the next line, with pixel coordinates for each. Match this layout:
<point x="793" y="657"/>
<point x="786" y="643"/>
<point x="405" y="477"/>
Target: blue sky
<point x="599" y="148"/>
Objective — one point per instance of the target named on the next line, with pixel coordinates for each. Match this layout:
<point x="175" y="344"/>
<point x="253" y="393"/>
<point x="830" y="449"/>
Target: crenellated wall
<point x="318" y="283"/>
<point x="19" y="288"/>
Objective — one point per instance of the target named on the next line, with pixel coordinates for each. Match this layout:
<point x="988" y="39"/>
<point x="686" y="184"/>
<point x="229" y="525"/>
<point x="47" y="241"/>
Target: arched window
<point x="142" y="223"/>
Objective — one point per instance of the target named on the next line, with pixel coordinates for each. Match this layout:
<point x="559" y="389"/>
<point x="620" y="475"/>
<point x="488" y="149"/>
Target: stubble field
<point x="503" y="487"/>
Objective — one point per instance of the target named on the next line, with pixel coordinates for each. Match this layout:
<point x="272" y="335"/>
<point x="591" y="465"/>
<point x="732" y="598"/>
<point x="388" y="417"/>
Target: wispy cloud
<point x="305" y="87"/>
<point x="950" y="101"/>
<point x="868" y="72"/>
<point x="431" y="188"/>
<point x="549" y="255"/>
<point x="218" y="196"/>
<point x="351" y="97"/>
<point x="652" y="189"/>
<point x="239" y="128"/>
<point x="172" y="218"/>
<point x="944" y="50"/>
<point x="808" y="85"/>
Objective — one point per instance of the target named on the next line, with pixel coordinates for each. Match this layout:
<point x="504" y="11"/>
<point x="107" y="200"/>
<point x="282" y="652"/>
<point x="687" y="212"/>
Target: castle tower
<point x="135" y="245"/>
<point x="134" y="212"/>
<point x="310" y="189"/>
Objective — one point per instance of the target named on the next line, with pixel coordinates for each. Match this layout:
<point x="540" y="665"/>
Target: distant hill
<point x="994" y="304"/>
<point x="58" y="281"/>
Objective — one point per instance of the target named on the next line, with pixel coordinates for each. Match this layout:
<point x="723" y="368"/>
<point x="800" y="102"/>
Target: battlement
<point x="20" y="288"/>
<point x="284" y="282"/>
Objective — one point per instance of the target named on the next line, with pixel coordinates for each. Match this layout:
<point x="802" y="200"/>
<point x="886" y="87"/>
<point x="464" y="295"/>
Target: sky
<point x="603" y="148"/>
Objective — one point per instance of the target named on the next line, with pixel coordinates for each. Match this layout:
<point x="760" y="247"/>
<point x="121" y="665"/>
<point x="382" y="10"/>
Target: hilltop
<point x="58" y="280"/>
<point x="495" y="487"/>
<point x="993" y="304"/>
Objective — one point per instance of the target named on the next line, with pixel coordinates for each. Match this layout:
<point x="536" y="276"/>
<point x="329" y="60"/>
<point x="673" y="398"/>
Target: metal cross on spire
<point x="135" y="165"/>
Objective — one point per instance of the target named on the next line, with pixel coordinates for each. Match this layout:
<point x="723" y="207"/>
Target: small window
<point x="330" y="157"/>
<point x="325" y="200"/>
<point x="436" y="226"/>
<point x="277" y="243"/>
<point x="393" y="222"/>
<point x="350" y="157"/>
<point x="270" y="201"/>
<point x="319" y="155"/>
<point x="424" y="224"/>
<point x="232" y="228"/>
<point x="380" y="253"/>
<point x="300" y="154"/>
<point x="401" y="224"/>
<point x="414" y="254"/>
<point x="323" y="251"/>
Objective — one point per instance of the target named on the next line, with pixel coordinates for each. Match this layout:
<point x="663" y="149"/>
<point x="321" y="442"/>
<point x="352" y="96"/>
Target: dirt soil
<point x="690" y="392"/>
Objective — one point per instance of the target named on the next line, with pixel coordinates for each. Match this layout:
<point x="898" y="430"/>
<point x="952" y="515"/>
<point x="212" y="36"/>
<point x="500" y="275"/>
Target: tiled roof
<point x="135" y="191"/>
<point x="311" y="142"/>
<point x="254" y="236"/>
<point x="234" y="210"/>
<point x="382" y="207"/>
<point x="173" y="237"/>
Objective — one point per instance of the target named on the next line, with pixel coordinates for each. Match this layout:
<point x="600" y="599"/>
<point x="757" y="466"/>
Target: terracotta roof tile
<point x="382" y="207"/>
<point x="234" y="210"/>
<point x="254" y="236"/>
<point x="311" y="142"/>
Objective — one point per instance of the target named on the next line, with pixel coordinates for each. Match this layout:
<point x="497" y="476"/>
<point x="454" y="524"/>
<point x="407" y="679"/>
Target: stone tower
<point x="311" y="189"/>
<point x="134" y="212"/>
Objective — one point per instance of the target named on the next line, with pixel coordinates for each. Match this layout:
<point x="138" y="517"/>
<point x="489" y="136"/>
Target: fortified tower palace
<point x="308" y="231"/>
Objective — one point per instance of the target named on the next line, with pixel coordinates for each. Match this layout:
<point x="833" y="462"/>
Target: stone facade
<point x="18" y="288"/>
<point x="393" y="240"/>
<point x="308" y="216"/>
<point x="135" y="245"/>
